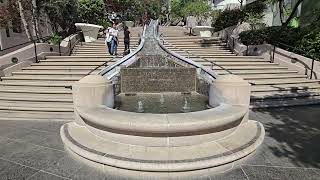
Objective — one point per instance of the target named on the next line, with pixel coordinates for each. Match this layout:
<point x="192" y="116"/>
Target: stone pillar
<point x="92" y="91"/>
<point x="230" y="89"/>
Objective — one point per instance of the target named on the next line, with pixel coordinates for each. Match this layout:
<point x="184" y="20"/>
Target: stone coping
<point x="241" y="143"/>
<point x="88" y="25"/>
<point x="176" y="124"/>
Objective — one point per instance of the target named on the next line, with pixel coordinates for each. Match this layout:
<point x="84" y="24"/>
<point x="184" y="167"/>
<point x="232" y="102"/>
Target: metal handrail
<point x="293" y="49"/>
<point x="125" y="58"/>
<point x="198" y="56"/>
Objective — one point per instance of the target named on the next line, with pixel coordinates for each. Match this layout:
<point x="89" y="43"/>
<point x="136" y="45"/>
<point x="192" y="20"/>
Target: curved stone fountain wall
<point x="162" y="142"/>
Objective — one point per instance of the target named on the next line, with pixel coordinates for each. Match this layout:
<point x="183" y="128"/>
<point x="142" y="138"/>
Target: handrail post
<point x="233" y="45"/>
<point x="69" y="46"/>
<point x="35" y="50"/>
<point x="60" y="48"/>
<point x="312" y="66"/>
<point x="273" y="53"/>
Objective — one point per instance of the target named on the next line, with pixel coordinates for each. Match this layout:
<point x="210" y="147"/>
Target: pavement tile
<point x="45" y="176"/>
<point x="234" y="174"/>
<point x="10" y="171"/>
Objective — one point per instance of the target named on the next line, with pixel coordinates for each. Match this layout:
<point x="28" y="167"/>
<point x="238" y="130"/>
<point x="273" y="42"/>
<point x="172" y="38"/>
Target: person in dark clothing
<point x="126" y="40"/>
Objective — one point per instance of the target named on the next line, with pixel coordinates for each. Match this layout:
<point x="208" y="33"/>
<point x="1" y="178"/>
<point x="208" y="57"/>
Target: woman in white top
<point x="108" y="39"/>
<point x="114" y="42"/>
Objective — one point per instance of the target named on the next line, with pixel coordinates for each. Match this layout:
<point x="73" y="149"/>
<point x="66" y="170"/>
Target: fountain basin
<point x="212" y="120"/>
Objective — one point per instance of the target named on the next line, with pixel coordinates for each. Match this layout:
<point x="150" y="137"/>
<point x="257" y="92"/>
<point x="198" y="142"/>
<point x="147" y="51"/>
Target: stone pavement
<point x="291" y="150"/>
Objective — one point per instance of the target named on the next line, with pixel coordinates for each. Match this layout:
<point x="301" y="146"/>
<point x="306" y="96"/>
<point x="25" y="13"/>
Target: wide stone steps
<point x="36" y="83"/>
<point x="273" y="85"/>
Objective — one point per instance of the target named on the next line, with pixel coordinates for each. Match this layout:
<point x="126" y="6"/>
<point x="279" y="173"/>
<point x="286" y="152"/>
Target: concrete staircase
<point x="272" y="85"/>
<point x="41" y="91"/>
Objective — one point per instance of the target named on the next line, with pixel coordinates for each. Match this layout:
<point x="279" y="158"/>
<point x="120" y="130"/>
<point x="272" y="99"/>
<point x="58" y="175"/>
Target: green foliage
<point x="306" y="38"/>
<point x="91" y="11"/>
<point x="251" y="13"/>
<point x="62" y="13"/>
<point x="254" y="13"/>
<point x="105" y="23"/>
<point x="55" y="39"/>
<point x="228" y="18"/>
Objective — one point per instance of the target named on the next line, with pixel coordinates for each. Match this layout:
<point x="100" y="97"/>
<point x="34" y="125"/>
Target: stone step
<point x="273" y="76"/>
<point x="35" y="115"/>
<point x="283" y="102"/>
<point x="28" y="97"/>
<point x="189" y="55"/>
<point x="225" y="57"/>
<point x="283" y="81"/>
<point x="234" y="60"/>
<point x="81" y="60"/>
<point x="284" y="94"/>
<point x="63" y="68"/>
<point x="202" y="53"/>
<point x="36" y="104"/>
<point x="36" y="78"/>
<point x="36" y="83"/>
<point x="41" y="109"/>
<point x="249" y="68"/>
<point x="240" y="63"/>
<point x="30" y="90"/>
<point x="83" y="63"/>
<point x="53" y="73"/>
<point x="285" y="87"/>
<point x="80" y="57"/>
<point x="257" y="72"/>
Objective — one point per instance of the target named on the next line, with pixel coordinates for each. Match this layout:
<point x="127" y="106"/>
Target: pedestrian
<point x="114" y="42"/>
<point x="108" y="39"/>
<point x="126" y="40"/>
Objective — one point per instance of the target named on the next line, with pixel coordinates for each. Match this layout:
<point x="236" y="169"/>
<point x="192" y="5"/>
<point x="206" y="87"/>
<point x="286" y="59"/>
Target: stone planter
<point x="129" y="23"/>
<point x="90" y="31"/>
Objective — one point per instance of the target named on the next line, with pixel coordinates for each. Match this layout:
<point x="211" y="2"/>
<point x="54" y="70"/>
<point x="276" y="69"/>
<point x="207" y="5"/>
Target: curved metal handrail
<point x="108" y="69"/>
<point x="182" y="58"/>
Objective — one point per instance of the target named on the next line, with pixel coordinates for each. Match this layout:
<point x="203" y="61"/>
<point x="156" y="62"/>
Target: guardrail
<point x="293" y="49"/>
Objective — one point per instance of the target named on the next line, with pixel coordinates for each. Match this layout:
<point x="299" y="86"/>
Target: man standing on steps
<point x="126" y="40"/>
<point x="114" y="42"/>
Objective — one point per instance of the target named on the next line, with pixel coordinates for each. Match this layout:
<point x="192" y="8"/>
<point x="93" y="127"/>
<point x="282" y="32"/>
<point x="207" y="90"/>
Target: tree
<point x="198" y="8"/>
<point x="91" y="11"/>
<point x="281" y="5"/>
<point x="23" y="19"/>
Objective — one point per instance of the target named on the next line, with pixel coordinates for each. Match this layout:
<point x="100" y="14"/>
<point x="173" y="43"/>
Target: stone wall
<point x="154" y="80"/>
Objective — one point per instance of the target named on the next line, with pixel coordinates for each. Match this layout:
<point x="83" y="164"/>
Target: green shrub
<point x="306" y="39"/>
<point x="228" y="18"/>
<point x="55" y="39"/>
<point x="311" y="44"/>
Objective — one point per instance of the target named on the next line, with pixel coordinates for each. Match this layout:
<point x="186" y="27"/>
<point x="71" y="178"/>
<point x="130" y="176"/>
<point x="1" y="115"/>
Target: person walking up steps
<point x="114" y="42"/>
<point x="126" y="40"/>
<point x="108" y="39"/>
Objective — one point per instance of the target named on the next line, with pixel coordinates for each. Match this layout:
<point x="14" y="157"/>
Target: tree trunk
<point x="293" y="12"/>
<point x="281" y="11"/>
<point x="23" y="19"/>
<point x="35" y="20"/>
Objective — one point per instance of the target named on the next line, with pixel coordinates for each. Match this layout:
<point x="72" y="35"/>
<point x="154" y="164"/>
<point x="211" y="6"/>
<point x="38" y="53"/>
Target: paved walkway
<point x="291" y="150"/>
